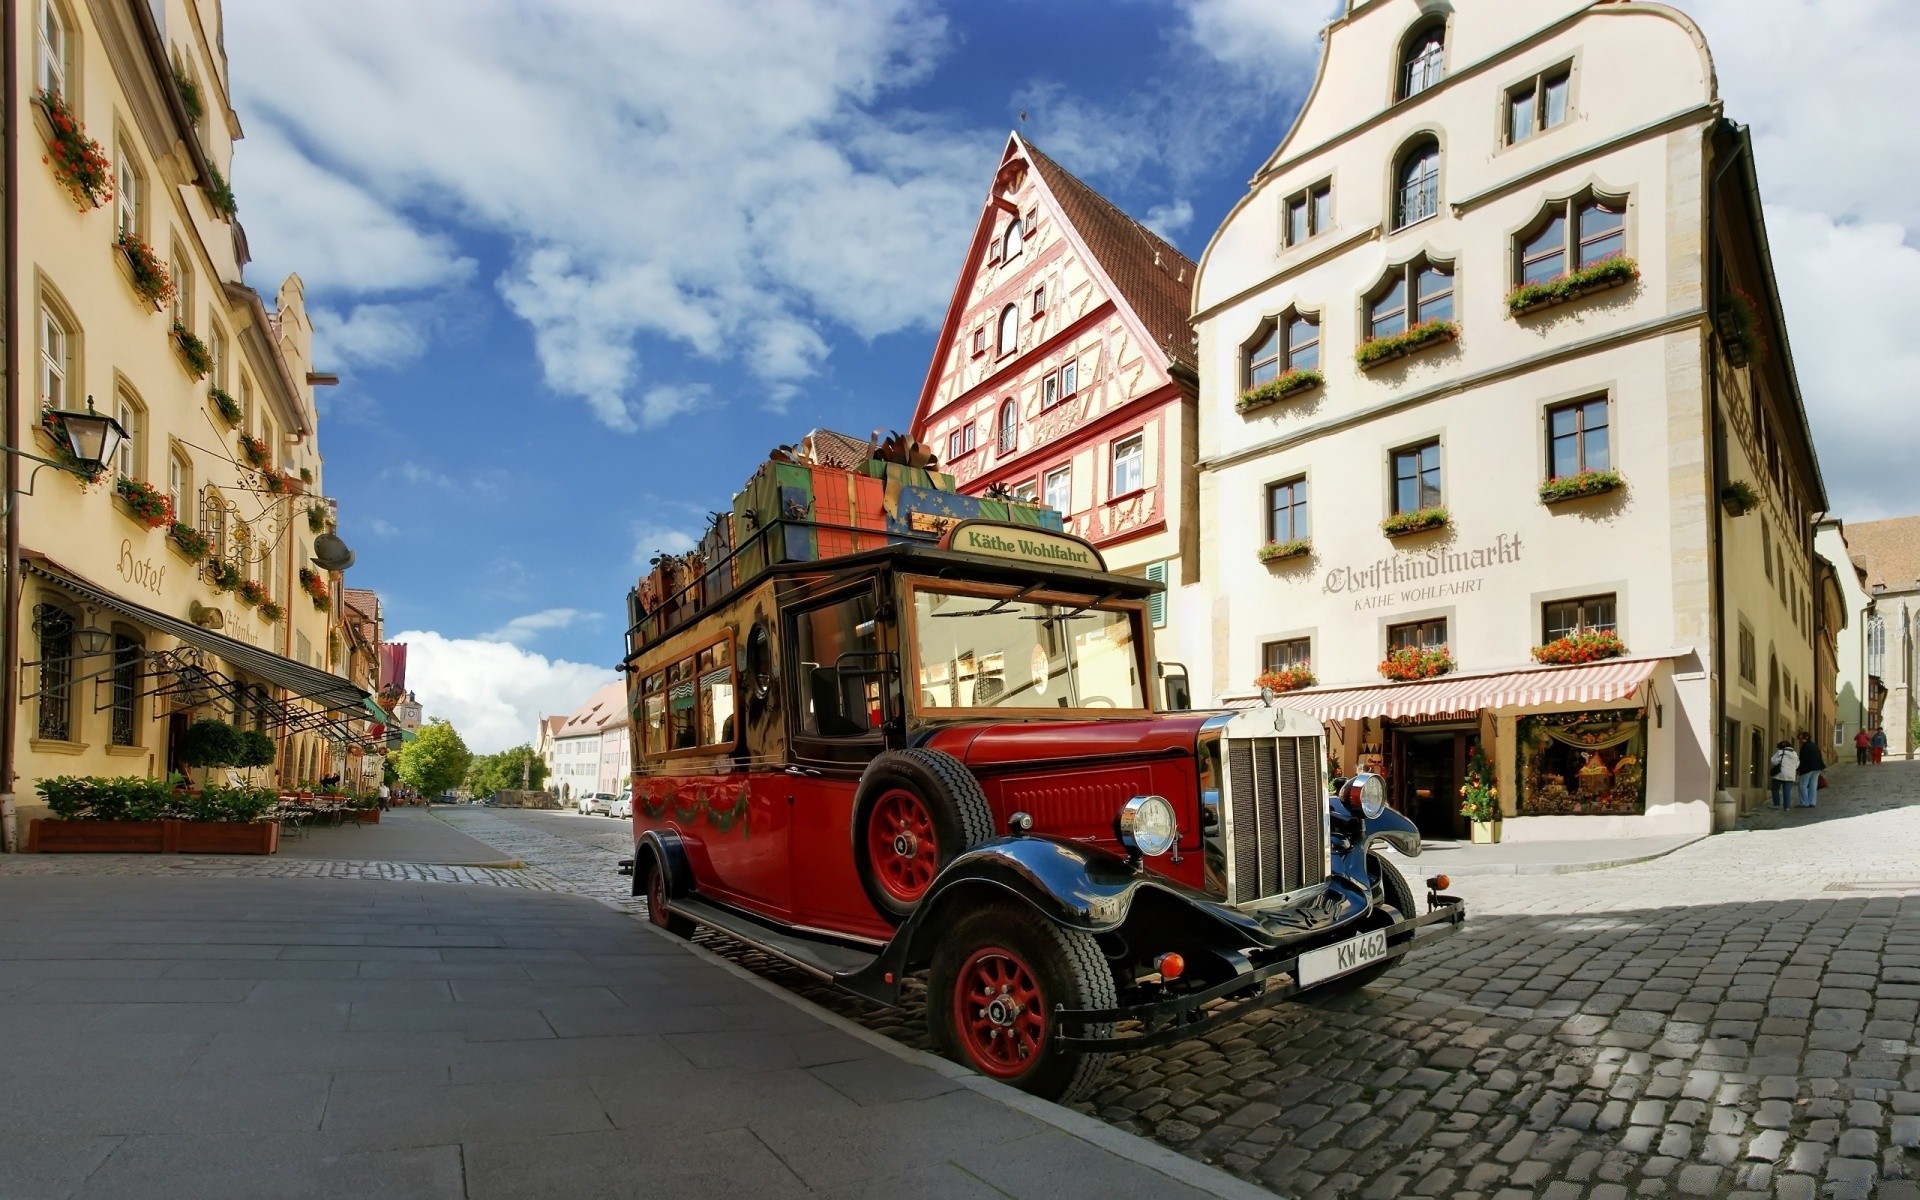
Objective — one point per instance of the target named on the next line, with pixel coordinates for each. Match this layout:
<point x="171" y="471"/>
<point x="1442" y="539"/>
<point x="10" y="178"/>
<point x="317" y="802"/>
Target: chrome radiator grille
<point x="1276" y="816"/>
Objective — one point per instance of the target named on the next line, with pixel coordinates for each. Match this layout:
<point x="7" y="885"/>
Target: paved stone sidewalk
<point x="247" y="1037"/>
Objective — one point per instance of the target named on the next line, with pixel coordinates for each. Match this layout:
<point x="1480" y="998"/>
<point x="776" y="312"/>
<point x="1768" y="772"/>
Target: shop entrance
<point x="1428" y="768"/>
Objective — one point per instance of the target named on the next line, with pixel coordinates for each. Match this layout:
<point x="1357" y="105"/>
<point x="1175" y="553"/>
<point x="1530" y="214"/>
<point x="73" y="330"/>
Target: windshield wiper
<point x="1077" y="613"/>
<point x="995" y="609"/>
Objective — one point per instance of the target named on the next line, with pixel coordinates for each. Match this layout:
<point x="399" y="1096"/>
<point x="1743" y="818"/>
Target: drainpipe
<point x="1717" y="432"/>
<point x="10" y="605"/>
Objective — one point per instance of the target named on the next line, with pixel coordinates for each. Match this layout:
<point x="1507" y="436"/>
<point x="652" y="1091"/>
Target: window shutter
<point x="1157" y="605"/>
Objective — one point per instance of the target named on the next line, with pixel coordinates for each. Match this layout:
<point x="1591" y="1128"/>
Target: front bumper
<point x="1177" y="1018"/>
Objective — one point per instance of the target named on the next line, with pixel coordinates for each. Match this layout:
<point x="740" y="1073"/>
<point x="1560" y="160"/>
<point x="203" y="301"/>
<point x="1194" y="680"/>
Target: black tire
<point x="1396" y="892"/>
<point x="656" y="886"/>
<point x="1069" y="970"/>
<point x="955" y="814"/>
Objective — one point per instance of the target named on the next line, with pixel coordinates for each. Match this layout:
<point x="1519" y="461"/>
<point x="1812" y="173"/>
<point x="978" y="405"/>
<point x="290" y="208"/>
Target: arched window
<point x="1290" y="342"/>
<point x="1012" y="240"/>
<point x="1009" y="329"/>
<point x="1569" y="235"/>
<point x="1416" y="183"/>
<point x="1009" y="426"/>
<point x="53" y="629"/>
<point x="1412" y="294"/>
<point x="128" y="656"/>
<point x="1423" y="60"/>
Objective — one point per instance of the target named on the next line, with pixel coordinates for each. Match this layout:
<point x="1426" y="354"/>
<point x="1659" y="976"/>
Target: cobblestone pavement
<point x="1737" y="1019"/>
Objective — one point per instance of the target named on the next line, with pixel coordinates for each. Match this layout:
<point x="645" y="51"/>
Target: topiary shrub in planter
<point x="1288" y="679"/>
<point x="1290" y="384"/>
<point x="256" y="750"/>
<point x="1612" y="272"/>
<point x="152" y="816"/>
<point x="209" y="743"/>
<point x="1274" y="552"/>
<point x="1417" y="521"/>
<point x="1575" y="487"/>
<point x="148" y="504"/>
<point x="1410" y="663"/>
<point x="1584" y="647"/>
<point x="1376" y="351"/>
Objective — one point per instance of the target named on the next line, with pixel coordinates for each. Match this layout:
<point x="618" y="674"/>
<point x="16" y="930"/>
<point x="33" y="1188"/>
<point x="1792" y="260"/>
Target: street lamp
<point x="92" y="438"/>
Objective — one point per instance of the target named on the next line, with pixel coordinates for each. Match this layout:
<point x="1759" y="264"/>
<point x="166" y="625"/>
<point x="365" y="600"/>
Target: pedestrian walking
<point x="1862" y="747"/>
<point x="1878" y="744"/>
<point x="1810" y="765"/>
<point x="386" y="798"/>
<point x="1786" y="774"/>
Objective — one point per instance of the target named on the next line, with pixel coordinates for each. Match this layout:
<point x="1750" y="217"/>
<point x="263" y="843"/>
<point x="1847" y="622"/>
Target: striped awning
<point x="1466" y="696"/>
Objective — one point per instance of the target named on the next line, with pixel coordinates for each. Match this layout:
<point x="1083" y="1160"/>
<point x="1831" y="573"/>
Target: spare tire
<point x="915" y="812"/>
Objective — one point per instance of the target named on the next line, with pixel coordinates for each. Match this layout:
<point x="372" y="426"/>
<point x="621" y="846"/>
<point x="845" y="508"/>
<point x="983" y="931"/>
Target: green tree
<point x="434" y="762"/>
<point x="512" y="769"/>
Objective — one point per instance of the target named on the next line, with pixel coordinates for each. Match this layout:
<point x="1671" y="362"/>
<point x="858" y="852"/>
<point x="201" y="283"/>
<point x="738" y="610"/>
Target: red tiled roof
<point x="1154" y="279"/>
<point x="841" y="450"/>
<point x="1890" y="550"/>
<point x="604" y="708"/>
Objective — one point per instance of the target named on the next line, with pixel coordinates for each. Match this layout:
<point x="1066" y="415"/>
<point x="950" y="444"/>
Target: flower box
<point x="188" y="541"/>
<point x="1739" y="498"/>
<point x="223" y="576"/>
<point x="1577" y="487"/>
<point x="253" y="450"/>
<point x="47" y="835"/>
<point x="1577" y="648"/>
<point x="78" y="162"/>
<point x="1420" y="521"/>
<point x="1382" y="350"/>
<point x="220" y="195"/>
<point x="1608" y="273"/>
<point x="1274" y="552"/>
<point x="271" y="612"/>
<point x="1290" y="679"/>
<point x="1274" y="390"/>
<point x="1412" y="663"/>
<point x="250" y="592"/>
<point x="365" y="816"/>
<point x="194" y="355"/>
<point x="228" y="408"/>
<point x="151" y="280"/>
<point x="1485" y="833"/>
<point x="144" y="502"/>
<point x="1738" y="323"/>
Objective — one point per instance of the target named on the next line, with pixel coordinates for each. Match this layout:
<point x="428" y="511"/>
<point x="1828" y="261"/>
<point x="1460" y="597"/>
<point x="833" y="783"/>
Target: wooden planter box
<point x="153" y="837"/>
<point x="365" y="816"/>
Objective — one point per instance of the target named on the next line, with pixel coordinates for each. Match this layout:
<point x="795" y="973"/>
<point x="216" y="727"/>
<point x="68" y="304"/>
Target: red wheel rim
<point x="657" y="897"/>
<point x="901" y="846"/>
<point x="999" y="1013"/>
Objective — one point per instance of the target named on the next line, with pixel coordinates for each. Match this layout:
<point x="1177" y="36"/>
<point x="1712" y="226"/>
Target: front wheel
<point x="997" y="975"/>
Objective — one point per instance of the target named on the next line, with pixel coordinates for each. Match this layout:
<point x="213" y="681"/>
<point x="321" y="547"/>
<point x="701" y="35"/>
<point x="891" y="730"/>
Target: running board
<point x="824" y="960"/>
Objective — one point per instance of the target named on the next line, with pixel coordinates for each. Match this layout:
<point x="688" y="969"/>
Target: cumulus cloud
<point x="523" y="629"/>
<point x="494" y="692"/>
<point x="652" y="540"/>
<point x="1169" y="219"/>
<point x="720" y="175"/>
<point x="380" y="335"/>
<point x="1275" y="46"/>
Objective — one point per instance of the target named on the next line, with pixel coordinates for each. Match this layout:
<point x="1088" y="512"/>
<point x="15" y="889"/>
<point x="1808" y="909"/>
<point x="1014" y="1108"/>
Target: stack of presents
<point x="829" y="496"/>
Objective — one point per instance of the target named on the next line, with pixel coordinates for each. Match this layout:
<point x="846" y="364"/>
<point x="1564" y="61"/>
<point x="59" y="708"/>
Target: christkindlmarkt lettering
<point x="1431" y="564"/>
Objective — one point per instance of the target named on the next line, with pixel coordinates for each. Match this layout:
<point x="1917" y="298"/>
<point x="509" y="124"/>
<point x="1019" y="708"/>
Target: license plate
<point x="1328" y="962"/>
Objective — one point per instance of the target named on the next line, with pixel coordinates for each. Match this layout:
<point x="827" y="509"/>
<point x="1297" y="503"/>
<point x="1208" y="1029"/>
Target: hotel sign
<point x="1422" y="575"/>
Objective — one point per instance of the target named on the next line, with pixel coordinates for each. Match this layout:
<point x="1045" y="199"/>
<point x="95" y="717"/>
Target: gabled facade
<point x="1492" y="351"/>
<point x="1064" y="373"/>
<point x="1889" y="551"/>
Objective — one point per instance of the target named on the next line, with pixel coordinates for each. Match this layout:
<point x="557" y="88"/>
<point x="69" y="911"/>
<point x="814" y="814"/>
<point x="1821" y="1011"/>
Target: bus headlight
<point x="1147" y="826"/>
<point x="1367" y="794"/>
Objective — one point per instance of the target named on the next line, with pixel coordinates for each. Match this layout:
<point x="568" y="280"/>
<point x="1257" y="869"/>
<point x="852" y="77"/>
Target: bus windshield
<point x="1014" y="652"/>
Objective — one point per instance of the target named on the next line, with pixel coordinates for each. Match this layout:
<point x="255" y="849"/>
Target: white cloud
<point x="713" y="174"/>
<point x="493" y="692"/>
<point x="652" y="540"/>
<point x="380" y="335"/>
<point x="1169" y="219"/>
<point x="1275" y="45"/>
<point x="523" y="629"/>
<point x="380" y="527"/>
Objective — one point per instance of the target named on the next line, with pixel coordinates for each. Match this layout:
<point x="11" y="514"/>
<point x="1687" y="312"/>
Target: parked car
<point x="596" y="804"/>
<point x="623" y="807"/>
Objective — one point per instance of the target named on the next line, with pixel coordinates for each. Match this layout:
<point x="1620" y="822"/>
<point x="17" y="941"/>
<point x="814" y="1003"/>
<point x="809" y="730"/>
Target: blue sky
<point x="581" y="263"/>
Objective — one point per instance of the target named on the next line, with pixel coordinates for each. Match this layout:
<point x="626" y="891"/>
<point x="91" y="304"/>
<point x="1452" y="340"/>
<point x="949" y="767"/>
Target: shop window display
<point x="1583" y="764"/>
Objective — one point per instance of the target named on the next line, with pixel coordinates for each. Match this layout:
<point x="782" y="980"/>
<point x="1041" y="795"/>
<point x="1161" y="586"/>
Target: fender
<point x="667" y="847"/>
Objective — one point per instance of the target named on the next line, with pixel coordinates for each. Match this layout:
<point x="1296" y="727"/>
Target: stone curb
<point x="1467" y="869"/>
<point x="1175" y="1166"/>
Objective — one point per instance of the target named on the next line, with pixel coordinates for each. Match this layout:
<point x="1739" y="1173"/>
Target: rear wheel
<point x="916" y="811"/>
<point x="997" y="975"/>
<point x="657" y="901"/>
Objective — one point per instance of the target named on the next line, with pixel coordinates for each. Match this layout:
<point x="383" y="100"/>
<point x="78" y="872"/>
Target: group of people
<point x="1868" y="747"/>
<point x="1796" y="773"/>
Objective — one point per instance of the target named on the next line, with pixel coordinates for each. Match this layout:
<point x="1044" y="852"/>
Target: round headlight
<point x="1371" y="792"/>
<point x="1147" y="826"/>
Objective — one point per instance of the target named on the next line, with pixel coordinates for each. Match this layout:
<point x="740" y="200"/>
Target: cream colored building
<point x="1447" y="155"/>
<point x="1889" y="551"/>
<point x="119" y="634"/>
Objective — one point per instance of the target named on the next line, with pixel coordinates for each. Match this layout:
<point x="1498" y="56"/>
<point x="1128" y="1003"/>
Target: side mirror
<point x="1179" y="689"/>
<point x="759" y="662"/>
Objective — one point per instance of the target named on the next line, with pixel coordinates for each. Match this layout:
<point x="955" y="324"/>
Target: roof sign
<point x="1025" y="544"/>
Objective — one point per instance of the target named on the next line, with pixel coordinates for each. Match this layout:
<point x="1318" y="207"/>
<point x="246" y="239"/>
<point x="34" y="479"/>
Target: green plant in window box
<point x="1287" y="679"/>
<point x="1739" y="498"/>
<point x="190" y="541"/>
<point x="1274" y="552"/>
<point x="1585" y="483"/>
<point x="1375" y="351"/>
<point x="78" y="162"/>
<point x="223" y="576"/>
<point x="151" y="278"/>
<point x="150" y="506"/>
<point x="254" y="451"/>
<point x="250" y="592"/>
<point x="273" y="482"/>
<point x="1613" y="271"/>
<point x="1418" y="521"/>
<point x="1300" y="379"/>
<point x="319" y="520"/>
<point x="228" y="408"/>
<point x="193" y="351"/>
<point x="1738" y="322"/>
<point x="190" y="97"/>
<point x="1410" y="663"/>
<point x="315" y="586"/>
<point x="271" y="612"/>
<point x="220" y="194"/>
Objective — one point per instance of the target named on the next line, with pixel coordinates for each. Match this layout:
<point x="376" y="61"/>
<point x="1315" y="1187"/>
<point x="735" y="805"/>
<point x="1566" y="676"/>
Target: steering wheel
<point x="1098" y="702"/>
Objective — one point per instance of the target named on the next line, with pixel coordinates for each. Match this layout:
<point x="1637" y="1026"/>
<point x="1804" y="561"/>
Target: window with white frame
<point x="1009" y="330"/>
<point x="1309" y="212"/>
<point x="1569" y="235"/>
<point x="1012" y="241"/>
<point x="1039" y="300"/>
<point x="1417" y="184"/>
<point x="56" y="358"/>
<point x="1539" y="104"/>
<point x="130" y="191"/>
<point x="1129" y="465"/>
<point x="1586" y="614"/>
<point x="53" y="43"/>
<point x="980" y="340"/>
<point x="1069" y="379"/>
<point x="1009" y="425"/>
<point x="1423" y="60"/>
<point x="182" y="309"/>
<point x="960" y="441"/>
<point x="179" y="483"/>
<point x="217" y="355"/>
<point x="1026" y="491"/>
<point x="1060" y="489"/>
<point x="132" y="419"/>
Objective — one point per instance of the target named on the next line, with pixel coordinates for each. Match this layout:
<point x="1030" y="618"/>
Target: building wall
<point x="616" y="759"/>
<point x="118" y="348"/>
<point x="576" y="765"/>
<point x="1642" y="107"/>
<point x="1850" y="685"/>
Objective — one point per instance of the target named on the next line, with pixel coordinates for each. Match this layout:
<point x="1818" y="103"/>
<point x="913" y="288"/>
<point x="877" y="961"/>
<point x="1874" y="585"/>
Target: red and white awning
<point x="1466" y="696"/>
